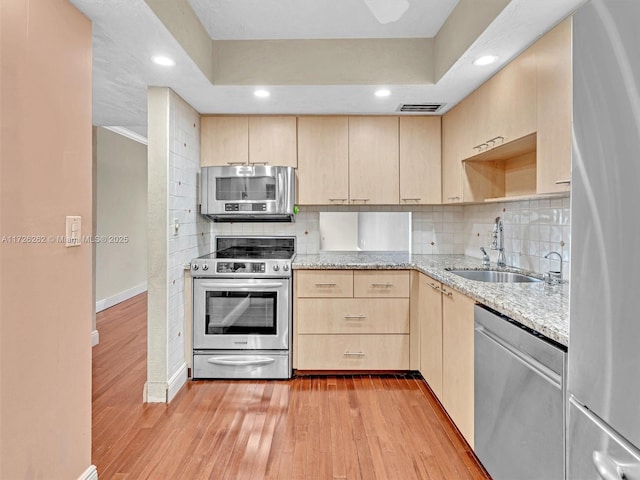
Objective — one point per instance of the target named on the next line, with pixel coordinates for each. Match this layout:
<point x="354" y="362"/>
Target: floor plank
<point x="333" y="427"/>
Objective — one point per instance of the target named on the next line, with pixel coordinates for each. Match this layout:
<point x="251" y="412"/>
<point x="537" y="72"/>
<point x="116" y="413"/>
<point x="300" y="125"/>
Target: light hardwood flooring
<point x="336" y="427"/>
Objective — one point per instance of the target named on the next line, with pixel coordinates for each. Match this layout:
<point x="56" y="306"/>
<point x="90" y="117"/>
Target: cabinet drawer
<point x="352" y="315"/>
<point x="353" y="352"/>
<point x="324" y="283"/>
<point x="381" y="283"/>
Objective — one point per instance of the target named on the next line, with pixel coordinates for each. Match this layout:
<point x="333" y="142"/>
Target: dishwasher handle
<point x="542" y="370"/>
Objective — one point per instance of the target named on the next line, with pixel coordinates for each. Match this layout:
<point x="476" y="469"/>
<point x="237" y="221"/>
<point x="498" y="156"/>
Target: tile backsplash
<point x="532" y="228"/>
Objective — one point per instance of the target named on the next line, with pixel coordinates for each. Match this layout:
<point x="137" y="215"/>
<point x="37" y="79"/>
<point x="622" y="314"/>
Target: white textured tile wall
<point x="193" y="237"/>
<point x="532" y="229"/>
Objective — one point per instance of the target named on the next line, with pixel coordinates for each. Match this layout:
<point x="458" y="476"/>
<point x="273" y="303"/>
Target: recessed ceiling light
<point x="383" y="92"/>
<point x="485" y="60"/>
<point x="164" y="61"/>
<point x="262" y="93"/>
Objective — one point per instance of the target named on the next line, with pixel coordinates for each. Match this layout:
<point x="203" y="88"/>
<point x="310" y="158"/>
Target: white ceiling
<point x="126" y="34"/>
<point x="298" y="19"/>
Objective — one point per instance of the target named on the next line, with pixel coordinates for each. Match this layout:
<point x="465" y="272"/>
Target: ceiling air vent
<point x="420" y="107"/>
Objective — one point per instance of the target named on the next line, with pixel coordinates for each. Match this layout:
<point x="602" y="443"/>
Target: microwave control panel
<point x="245" y="207"/>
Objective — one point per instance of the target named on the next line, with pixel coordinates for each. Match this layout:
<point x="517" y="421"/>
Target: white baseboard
<point x="177" y="381"/>
<point x="120" y="297"/>
<point x="155" y="392"/>
<point x="95" y="338"/>
<point x="90" y="473"/>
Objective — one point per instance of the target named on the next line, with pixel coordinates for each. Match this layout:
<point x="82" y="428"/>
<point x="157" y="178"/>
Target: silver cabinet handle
<point x="434" y="286"/>
<point x="563" y="182"/>
<point x="453" y="198"/>
<point x="447" y="293"/>
<point x="231" y="164"/>
<point x="363" y="200"/>
<point x="325" y="284"/>
<point x="607" y="468"/>
<point x="334" y="200"/>
<point x="495" y="138"/>
<point x="382" y="285"/>
<point x="355" y="317"/>
<point x="411" y="199"/>
<point x="258" y="163"/>
<point x="479" y="147"/>
<point x="354" y="354"/>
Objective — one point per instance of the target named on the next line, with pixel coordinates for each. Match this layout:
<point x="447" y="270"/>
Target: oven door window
<point x="233" y="313"/>
<point x="245" y="188"/>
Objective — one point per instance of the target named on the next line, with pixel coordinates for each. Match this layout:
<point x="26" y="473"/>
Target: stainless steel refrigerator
<point x="603" y="437"/>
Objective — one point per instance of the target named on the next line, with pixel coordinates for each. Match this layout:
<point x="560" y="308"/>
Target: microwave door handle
<point x="280" y="184"/>
<point x="242" y="286"/>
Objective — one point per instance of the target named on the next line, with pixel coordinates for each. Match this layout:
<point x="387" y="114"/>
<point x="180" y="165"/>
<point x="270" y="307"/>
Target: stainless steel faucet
<point x="497" y="241"/>
<point x="486" y="261"/>
<point x="553" y="276"/>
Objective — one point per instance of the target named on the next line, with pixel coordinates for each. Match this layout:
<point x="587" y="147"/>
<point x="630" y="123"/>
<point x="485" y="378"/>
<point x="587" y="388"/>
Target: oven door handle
<point x="241" y="361"/>
<point x="243" y="286"/>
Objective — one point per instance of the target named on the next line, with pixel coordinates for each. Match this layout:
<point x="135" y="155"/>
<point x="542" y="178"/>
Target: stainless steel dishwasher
<point x="519" y="400"/>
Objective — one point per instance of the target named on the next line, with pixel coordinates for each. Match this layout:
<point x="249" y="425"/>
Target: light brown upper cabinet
<point x="243" y="140"/>
<point x="323" y="160"/>
<point x="273" y="140"/>
<point x="554" y="106"/>
<point x="420" y="160"/>
<point x="374" y="177"/>
<point x="224" y="141"/>
<point x="452" y="166"/>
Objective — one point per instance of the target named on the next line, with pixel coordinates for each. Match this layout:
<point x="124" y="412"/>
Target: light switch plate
<point x="72" y="231"/>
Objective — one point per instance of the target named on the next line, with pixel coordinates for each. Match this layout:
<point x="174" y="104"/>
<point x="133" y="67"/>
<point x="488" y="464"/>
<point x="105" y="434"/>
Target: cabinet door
<point x="553" y="53"/>
<point x="430" y="312"/>
<point x="457" y="360"/>
<point x="420" y="160"/>
<point x="273" y="140"/>
<point x="512" y="96"/>
<point x="224" y="141"/>
<point x="323" y="160"/>
<point x="452" y="167"/>
<point x="374" y="161"/>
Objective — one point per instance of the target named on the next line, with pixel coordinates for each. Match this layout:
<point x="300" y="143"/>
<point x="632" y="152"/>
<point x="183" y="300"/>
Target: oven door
<point x="242" y="314"/>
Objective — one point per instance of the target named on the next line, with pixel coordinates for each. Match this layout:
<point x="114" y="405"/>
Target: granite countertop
<point x="539" y="306"/>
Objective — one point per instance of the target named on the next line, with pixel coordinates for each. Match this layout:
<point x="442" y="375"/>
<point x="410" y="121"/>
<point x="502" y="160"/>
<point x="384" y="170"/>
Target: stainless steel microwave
<point x="247" y="193"/>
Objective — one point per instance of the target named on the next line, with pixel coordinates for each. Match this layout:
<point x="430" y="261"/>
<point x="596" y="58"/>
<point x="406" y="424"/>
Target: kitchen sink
<point x="495" y="276"/>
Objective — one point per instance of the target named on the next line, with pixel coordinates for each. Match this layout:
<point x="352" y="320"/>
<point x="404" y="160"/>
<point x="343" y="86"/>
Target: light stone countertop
<point x="539" y="306"/>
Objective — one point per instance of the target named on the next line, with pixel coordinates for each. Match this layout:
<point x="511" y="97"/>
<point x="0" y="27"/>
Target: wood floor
<point x="339" y="427"/>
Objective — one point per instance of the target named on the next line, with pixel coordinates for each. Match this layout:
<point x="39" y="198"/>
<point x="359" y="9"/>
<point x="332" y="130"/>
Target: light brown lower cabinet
<point x="351" y="320"/>
<point x="457" y="360"/>
<point x="446" y="349"/>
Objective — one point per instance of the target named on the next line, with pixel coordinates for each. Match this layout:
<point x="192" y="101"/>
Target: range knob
<point x="194" y="266"/>
<point x="205" y="267"/>
<point x="285" y="268"/>
<point x="276" y="268"/>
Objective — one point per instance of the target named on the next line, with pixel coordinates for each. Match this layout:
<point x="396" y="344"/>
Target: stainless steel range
<point x="242" y="308"/>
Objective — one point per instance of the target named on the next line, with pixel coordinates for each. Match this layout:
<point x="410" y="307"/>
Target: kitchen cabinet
<point x="554" y="106"/>
<point x="247" y="140"/>
<point x="452" y="166"/>
<point x="351" y="320"/>
<point x="430" y="326"/>
<point x="323" y="160"/>
<point x="420" y="161"/>
<point x="374" y="171"/>
<point x="457" y="360"/>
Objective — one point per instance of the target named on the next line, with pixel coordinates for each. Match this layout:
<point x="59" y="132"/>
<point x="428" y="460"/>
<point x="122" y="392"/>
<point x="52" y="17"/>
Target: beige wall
<point x="45" y="288"/>
<point x="121" y="212"/>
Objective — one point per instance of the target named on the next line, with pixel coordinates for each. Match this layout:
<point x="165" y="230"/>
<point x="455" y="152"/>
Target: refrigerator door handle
<point x="607" y="468"/>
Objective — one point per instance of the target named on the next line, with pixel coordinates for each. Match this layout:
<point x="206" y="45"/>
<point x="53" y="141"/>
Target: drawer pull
<point x="447" y="293"/>
<point x="563" y="182"/>
<point x="434" y="286"/>
<point x="335" y="200"/>
<point x="355" y="317"/>
<point x="231" y="164"/>
<point x="382" y="285"/>
<point x="325" y="284"/>
<point x="354" y="354"/>
<point x="258" y="163"/>
<point x="411" y="199"/>
<point x="358" y="200"/>
<point x="453" y="198"/>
